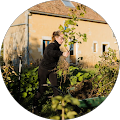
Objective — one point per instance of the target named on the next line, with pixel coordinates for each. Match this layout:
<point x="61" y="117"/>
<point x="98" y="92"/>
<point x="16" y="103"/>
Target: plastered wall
<point x="42" y="26"/>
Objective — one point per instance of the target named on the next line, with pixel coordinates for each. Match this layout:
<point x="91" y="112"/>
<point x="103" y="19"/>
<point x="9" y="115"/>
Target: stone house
<point x="31" y="32"/>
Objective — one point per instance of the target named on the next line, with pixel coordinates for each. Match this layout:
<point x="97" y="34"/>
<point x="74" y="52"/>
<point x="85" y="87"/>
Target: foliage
<point x="71" y="24"/>
<point x="10" y="78"/>
<point x="77" y="75"/>
<point x="71" y="37"/>
<point x="73" y="77"/>
<point x="108" y="69"/>
<point x="27" y="85"/>
<point x="102" y="82"/>
<point x="61" y="103"/>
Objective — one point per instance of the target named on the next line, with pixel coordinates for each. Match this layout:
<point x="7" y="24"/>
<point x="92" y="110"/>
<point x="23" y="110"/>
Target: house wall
<point x="14" y="41"/>
<point x="41" y="27"/>
<point x="98" y="33"/>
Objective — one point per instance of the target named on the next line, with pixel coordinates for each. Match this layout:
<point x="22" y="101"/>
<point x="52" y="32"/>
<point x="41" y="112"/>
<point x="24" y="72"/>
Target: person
<point x="50" y="59"/>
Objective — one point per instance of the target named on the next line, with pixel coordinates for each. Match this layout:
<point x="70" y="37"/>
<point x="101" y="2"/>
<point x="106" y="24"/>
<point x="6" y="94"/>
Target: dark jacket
<point x="51" y="56"/>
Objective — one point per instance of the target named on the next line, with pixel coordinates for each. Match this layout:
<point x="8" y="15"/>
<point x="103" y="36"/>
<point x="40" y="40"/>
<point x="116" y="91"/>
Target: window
<point x="95" y="46"/>
<point x="104" y="47"/>
<point x="45" y="43"/>
<point x="68" y="3"/>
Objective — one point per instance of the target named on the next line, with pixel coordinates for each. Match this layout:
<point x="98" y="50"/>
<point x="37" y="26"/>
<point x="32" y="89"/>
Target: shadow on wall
<point x="35" y="52"/>
<point x="14" y="45"/>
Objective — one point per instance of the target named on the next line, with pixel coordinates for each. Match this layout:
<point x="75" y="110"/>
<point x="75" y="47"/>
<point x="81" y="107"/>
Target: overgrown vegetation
<point x="85" y="84"/>
<point x="101" y="83"/>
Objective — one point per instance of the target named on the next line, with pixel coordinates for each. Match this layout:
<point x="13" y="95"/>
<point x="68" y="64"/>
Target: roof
<point x="58" y="7"/>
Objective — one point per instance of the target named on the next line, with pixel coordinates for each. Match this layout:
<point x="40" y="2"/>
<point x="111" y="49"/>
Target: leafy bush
<point x="108" y="72"/>
<point x="29" y="81"/>
<point x="77" y="75"/>
<point x="26" y="86"/>
<point x="103" y="81"/>
<point x="96" y="66"/>
<point x="61" y="103"/>
<point x="10" y="78"/>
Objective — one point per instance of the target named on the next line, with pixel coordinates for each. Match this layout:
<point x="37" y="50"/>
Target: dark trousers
<point x="43" y="74"/>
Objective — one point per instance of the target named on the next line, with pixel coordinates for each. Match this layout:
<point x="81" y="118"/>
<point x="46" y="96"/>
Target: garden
<point x="78" y="83"/>
<point x="84" y="88"/>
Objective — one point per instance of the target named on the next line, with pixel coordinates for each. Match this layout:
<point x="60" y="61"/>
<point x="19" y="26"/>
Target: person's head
<point x="58" y="36"/>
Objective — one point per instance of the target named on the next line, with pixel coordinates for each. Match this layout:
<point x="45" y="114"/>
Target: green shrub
<point x="27" y="85"/>
<point x="96" y="66"/>
<point x="108" y="72"/>
<point x="61" y="103"/>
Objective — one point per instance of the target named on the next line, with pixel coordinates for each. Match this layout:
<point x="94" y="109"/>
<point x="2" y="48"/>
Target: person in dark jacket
<point x="50" y="59"/>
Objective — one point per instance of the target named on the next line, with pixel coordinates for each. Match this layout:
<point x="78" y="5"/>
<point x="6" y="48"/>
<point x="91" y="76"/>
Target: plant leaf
<point x="71" y="114"/>
<point x="54" y="106"/>
<point x="65" y="45"/>
<point x="58" y="97"/>
<point x="80" y="78"/>
<point x="78" y="7"/>
<point x="59" y="107"/>
<point x="60" y="72"/>
<point x="78" y="74"/>
<point x="67" y="98"/>
<point x="75" y="101"/>
<point x="61" y="28"/>
<point x="24" y="94"/>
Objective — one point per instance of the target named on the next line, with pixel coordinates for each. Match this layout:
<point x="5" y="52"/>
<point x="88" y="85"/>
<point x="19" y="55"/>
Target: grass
<point x="90" y="70"/>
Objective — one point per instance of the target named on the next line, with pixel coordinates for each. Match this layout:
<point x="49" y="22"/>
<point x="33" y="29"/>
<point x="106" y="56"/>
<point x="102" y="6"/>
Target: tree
<point x="70" y="35"/>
